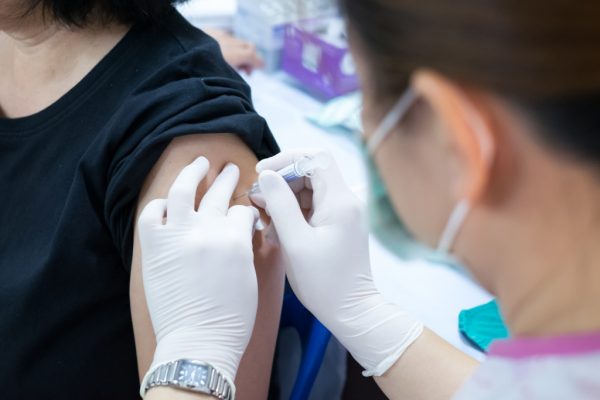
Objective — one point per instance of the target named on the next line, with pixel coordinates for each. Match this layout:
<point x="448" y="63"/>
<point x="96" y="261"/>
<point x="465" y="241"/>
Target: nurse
<point x="482" y="127"/>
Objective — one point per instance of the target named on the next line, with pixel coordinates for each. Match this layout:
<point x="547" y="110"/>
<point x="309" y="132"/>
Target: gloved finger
<point x="153" y="214"/>
<point x="283" y="206"/>
<point x="245" y="218"/>
<point x="258" y="199"/>
<point x="329" y="191"/>
<point x="284" y="159"/>
<point x="217" y="198"/>
<point x="182" y="195"/>
<point x="328" y="181"/>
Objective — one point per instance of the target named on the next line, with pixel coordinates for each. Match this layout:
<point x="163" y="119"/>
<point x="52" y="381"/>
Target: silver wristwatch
<point x="194" y="376"/>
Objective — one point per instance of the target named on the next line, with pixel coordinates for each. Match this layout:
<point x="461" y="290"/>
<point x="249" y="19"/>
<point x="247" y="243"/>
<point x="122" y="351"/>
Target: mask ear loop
<point x="391" y="119"/>
<point x="455" y="222"/>
<point x="463" y="208"/>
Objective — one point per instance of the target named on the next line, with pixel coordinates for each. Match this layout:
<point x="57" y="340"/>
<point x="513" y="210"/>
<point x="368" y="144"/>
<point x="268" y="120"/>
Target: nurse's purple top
<point x="563" y="367"/>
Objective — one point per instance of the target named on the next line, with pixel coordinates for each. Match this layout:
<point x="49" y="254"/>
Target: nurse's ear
<point x="467" y="123"/>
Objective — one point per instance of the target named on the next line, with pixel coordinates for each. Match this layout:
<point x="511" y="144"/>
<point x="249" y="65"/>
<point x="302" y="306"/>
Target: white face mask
<point x="384" y="222"/>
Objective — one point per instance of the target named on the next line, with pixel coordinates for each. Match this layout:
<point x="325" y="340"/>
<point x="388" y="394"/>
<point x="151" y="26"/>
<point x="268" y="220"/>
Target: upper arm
<point x="219" y="149"/>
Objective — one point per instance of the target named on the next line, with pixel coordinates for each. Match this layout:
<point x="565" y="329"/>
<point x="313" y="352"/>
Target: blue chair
<point x="314" y="338"/>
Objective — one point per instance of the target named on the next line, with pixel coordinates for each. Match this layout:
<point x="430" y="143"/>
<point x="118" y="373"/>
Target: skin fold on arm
<point x="252" y="381"/>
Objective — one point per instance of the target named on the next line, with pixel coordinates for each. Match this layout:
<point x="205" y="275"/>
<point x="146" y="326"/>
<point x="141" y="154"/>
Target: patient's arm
<point x="252" y="381"/>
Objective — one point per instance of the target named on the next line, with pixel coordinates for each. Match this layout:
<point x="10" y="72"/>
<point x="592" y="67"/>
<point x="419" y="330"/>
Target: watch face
<point x="193" y="376"/>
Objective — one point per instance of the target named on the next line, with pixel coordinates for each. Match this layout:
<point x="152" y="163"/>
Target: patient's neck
<point x="42" y="60"/>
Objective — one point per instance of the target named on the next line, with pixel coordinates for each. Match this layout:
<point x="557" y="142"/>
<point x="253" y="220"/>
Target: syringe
<point x="305" y="167"/>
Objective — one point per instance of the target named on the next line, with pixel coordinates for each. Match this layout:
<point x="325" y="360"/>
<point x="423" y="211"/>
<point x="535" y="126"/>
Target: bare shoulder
<point x="220" y="149"/>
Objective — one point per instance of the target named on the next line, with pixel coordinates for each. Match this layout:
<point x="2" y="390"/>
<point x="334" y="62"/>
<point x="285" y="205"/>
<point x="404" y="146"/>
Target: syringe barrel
<point x="307" y="165"/>
<point x="290" y="174"/>
<point x="304" y="167"/>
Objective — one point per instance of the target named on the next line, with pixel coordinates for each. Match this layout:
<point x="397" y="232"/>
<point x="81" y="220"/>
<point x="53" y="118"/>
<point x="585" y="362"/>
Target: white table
<point x="433" y="293"/>
<point x="209" y="13"/>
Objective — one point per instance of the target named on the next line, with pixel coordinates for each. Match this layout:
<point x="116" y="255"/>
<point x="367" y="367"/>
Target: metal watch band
<point x="194" y="376"/>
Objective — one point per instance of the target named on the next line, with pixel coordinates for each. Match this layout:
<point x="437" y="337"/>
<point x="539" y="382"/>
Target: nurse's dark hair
<point x="543" y="56"/>
<point x="82" y="12"/>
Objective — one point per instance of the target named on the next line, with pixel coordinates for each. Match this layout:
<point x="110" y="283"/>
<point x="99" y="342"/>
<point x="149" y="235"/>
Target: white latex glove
<point x="328" y="263"/>
<point x="198" y="271"/>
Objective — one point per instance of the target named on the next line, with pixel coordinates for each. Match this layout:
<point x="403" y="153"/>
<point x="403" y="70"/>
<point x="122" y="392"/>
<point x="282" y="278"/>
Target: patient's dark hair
<point x="542" y="55"/>
<point x="81" y="12"/>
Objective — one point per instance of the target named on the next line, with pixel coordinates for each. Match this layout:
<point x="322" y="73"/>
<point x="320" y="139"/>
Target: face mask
<point x="385" y="223"/>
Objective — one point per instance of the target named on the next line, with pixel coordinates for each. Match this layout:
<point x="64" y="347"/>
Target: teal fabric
<point x="483" y="325"/>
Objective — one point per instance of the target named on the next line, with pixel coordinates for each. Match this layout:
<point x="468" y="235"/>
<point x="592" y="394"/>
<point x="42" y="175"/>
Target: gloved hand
<point x="328" y="263"/>
<point x="198" y="271"/>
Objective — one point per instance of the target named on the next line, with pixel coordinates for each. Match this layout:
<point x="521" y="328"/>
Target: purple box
<point x="316" y="53"/>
